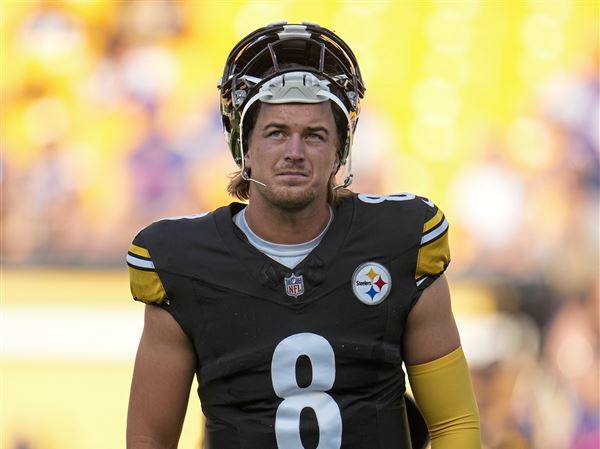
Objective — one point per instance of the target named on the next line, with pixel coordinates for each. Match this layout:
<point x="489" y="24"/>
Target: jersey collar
<point x="271" y="273"/>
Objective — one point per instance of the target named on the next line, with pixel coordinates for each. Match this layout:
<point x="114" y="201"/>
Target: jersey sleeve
<point x="144" y="281"/>
<point x="434" y="252"/>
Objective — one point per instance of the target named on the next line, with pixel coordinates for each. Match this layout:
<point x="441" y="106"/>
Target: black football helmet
<point x="285" y="63"/>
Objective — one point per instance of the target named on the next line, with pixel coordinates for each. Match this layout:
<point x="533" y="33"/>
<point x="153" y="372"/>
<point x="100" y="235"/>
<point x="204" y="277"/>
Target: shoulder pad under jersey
<point x="145" y="283"/>
<point x="434" y="250"/>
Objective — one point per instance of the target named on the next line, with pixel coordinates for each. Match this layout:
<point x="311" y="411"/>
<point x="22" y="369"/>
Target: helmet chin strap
<point x="245" y="176"/>
<point x="346" y="182"/>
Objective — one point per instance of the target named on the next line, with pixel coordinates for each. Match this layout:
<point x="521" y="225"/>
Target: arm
<point x="438" y="371"/>
<point x="431" y="331"/>
<point x="160" y="388"/>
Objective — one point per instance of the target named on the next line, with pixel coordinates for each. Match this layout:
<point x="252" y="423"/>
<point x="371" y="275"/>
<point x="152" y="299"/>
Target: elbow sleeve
<point x="444" y="393"/>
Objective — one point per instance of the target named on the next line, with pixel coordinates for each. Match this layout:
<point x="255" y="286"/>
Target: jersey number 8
<point x="314" y="396"/>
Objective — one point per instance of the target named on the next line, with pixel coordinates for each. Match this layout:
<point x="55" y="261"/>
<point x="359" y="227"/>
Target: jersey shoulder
<point x="419" y="218"/>
<point x="152" y="246"/>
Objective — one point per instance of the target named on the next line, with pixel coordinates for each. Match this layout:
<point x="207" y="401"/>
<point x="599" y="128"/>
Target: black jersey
<point x="291" y="357"/>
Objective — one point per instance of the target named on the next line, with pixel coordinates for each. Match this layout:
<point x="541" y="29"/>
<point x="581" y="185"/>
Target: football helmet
<point x="285" y="63"/>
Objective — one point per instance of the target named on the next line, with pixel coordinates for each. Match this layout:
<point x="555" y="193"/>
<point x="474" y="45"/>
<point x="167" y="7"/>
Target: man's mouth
<point x="292" y="174"/>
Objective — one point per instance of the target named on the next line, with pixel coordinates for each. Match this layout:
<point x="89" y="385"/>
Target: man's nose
<point x="295" y="147"/>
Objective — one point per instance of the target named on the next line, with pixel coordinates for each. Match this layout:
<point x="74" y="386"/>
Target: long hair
<point x="239" y="188"/>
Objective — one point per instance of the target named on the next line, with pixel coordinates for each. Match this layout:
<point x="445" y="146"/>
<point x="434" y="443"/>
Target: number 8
<point x="295" y="398"/>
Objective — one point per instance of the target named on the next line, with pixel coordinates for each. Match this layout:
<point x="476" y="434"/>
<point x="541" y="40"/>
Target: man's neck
<point x="287" y="227"/>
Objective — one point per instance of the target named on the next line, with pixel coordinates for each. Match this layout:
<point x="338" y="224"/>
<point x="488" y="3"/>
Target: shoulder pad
<point x="144" y="267"/>
<point x="144" y="281"/>
<point x="434" y="250"/>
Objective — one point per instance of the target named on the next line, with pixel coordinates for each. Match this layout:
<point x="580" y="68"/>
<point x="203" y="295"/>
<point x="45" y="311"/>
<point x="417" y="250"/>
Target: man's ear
<point x="247" y="159"/>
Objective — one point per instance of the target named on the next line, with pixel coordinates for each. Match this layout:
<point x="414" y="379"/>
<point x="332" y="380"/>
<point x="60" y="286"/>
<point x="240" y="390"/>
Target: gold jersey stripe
<point x="146" y="286"/>
<point x="139" y="251"/>
<point x="433" y="221"/>
<point x="433" y="257"/>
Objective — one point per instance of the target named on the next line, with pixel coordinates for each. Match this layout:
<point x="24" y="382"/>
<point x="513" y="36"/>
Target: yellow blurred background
<point x="110" y="121"/>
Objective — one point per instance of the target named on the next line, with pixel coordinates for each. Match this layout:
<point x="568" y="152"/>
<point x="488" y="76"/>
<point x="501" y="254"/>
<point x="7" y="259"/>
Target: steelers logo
<point x="371" y="283"/>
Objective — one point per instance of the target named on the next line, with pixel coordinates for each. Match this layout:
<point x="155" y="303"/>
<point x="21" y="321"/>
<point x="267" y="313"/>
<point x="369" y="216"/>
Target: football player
<point x="297" y="310"/>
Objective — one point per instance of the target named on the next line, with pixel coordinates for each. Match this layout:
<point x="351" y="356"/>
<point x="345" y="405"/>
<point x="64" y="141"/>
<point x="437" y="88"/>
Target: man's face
<point x="292" y="149"/>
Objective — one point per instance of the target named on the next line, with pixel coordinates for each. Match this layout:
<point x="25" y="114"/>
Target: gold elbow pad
<point x="443" y="391"/>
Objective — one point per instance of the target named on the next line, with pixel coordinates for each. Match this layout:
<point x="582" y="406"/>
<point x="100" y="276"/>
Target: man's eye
<point x="276" y="134"/>
<point x="313" y="136"/>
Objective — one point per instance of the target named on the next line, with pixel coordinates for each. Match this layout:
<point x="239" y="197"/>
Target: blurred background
<point x="110" y="121"/>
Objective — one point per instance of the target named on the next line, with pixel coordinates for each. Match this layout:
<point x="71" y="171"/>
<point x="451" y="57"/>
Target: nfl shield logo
<point x="294" y="285"/>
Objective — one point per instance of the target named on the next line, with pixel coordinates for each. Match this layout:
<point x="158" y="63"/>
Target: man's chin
<point x="292" y="197"/>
